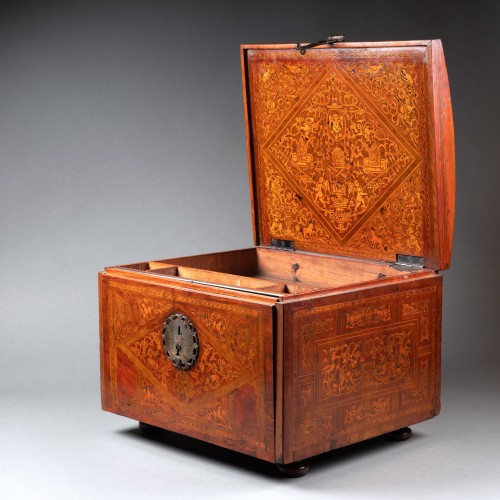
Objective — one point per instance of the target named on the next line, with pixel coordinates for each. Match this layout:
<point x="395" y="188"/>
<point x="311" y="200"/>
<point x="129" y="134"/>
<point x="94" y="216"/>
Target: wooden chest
<point x="327" y="332"/>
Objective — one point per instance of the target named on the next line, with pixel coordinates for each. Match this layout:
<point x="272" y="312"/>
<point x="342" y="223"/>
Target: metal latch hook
<point x="329" y="41"/>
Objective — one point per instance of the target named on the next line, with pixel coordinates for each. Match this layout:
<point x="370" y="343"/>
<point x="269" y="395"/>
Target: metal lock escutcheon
<point x="180" y="341"/>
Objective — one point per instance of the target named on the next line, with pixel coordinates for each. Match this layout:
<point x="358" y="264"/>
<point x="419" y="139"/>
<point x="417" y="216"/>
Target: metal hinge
<point x="283" y="244"/>
<point x="409" y="262"/>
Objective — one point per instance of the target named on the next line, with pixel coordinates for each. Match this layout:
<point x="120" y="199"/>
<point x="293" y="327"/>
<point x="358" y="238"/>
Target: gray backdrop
<point x="122" y="139"/>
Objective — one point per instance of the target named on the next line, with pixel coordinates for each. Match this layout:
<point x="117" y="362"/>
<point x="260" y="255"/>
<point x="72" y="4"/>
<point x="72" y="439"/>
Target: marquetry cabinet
<point x="328" y="331"/>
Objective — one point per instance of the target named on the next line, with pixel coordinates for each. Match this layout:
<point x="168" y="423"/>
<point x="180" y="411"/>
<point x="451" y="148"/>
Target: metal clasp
<point x="180" y="341"/>
<point x="329" y="41"/>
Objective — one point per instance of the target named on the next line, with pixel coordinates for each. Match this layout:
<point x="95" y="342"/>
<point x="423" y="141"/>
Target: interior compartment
<point x="272" y="271"/>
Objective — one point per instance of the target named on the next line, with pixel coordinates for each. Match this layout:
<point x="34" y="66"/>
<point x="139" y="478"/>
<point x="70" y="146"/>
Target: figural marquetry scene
<point x="327" y="332"/>
<point x="340" y="151"/>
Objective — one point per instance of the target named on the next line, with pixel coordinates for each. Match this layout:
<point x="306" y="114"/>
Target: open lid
<point x="351" y="148"/>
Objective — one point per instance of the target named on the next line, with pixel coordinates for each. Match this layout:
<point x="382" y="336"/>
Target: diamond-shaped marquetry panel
<point x="340" y="150"/>
<point x="224" y="394"/>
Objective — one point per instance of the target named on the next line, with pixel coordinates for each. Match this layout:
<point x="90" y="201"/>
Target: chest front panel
<point x="361" y="366"/>
<point x="225" y="397"/>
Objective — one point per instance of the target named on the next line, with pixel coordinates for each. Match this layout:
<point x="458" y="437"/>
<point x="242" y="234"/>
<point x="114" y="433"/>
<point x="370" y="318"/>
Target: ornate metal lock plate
<point x="180" y="341"/>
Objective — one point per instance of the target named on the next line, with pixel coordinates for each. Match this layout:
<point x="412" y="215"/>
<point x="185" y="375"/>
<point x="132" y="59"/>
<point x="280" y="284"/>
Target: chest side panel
<point x="225" y="398"/>
<point x="343" y="151"/>
<point x="363" y="364"/>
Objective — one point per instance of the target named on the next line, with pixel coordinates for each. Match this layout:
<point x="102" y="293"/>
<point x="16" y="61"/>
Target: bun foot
<point x="147" y="427"/>
<point x="297" y="469"/>
<point x="399" y="435"/>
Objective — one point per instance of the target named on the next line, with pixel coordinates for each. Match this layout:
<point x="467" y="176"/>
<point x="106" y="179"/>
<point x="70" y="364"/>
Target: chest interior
<point x="265" y="271"/>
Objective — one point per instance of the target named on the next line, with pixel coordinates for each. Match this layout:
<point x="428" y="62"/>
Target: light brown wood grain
<point x="321" y="271"/>
<point x="445" y="153"/>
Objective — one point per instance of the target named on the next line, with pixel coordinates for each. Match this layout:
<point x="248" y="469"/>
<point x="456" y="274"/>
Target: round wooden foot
<point x="147" y="427"/>
<point x="297" y="469"/>
<point x="399" y="435"/>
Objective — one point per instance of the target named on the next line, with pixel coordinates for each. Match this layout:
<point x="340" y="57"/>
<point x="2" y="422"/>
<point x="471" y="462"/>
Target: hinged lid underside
<point x="346" y="156"/>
